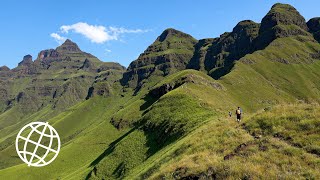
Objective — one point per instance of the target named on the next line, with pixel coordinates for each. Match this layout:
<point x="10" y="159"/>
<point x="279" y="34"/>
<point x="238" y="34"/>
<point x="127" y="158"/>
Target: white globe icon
<point x="36" y="147"/>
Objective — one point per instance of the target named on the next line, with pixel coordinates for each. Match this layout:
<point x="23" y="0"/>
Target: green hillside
<point x="160" y="120"/>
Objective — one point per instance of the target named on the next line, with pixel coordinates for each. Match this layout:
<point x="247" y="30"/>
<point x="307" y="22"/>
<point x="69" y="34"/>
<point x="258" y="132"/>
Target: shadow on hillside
<point x="158" y="138"/>
<point x="111" y="147"/>
<point x="120" y="170"/>
<point x="149" y="100"/>
<point x="159" y="135"/>
<point x="222" y="71"/>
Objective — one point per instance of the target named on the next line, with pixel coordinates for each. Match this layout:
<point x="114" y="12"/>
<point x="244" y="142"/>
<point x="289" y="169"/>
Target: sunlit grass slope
<point x="224" y="149"/>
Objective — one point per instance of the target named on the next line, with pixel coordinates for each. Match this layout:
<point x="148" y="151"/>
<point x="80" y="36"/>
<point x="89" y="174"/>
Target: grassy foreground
<point x="235" y="151"/>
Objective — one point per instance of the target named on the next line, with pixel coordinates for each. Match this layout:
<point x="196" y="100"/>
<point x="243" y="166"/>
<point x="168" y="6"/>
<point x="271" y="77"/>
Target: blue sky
<point x="119" y="30"/>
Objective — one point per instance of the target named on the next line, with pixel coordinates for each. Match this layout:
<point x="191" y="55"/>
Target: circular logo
<point x="38" y="144"/>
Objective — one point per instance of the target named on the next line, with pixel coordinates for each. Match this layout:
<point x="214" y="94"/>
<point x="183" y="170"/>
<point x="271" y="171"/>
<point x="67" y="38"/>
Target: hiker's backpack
<point x="238" y="111"/>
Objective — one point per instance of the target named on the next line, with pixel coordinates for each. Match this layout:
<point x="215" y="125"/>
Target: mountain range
<point x="166" y="115"/>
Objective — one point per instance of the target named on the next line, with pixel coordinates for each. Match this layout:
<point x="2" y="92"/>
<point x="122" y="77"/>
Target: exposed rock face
<point x="200" y="54"/>
<point x="66" y="56"/>
<point x="314" y="27"/>
<point x="282" y="14"/>
<point x="99" y="89"/>
<point x="282" y="20"/>
<point x="68" y="46"/>
<point x="26" y="67"/>
<point x="48" y="54"/>
<point x="87" y="65"/>
<point x="222" y="51"/>
<point x="314" y="24"/>
<point x="4" y="68"/>
<point x="232" y="46"/>
<point x="27" y="61"/>
<point x="171" y="52"/>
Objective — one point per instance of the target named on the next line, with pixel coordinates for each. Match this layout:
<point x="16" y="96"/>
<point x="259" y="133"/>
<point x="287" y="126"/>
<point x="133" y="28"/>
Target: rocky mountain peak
<point x="26" y="61"/>
<point x="170" y="32"/>
<point x="68" y="46"/>
<point x="4" y="68"/>
<point x="283" y="14"/>
<point x="171" y="52"/>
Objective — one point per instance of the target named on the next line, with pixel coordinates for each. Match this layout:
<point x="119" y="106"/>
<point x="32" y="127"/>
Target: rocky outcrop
<point x="26" y="67"/>
<point x="314" y="24"/>
<point x="223" y="51"/>
<point x="282" y="20"/>
<point x="200" y="54"/>
<point x="170" y="53"/>
<point x="314" y="27"/>
<point x="4" y="68"/>
<point x="66" y="56"/>
<point x="282" y="14"/>
<point x="68" y="46"/>
<point x="99" y="89"/>
<point x="232" y="46"/>
<point x="27" y="61"/>
<point x="47" y="54"/>
<point x="87" y="65"/>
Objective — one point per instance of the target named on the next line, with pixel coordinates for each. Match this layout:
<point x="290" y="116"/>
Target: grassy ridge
<point x="232" y="153"/>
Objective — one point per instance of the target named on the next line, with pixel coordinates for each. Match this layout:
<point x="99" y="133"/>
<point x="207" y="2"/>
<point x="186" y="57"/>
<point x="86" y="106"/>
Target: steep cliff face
<point x="282" y="14"/>
<point x="26" y="61"/>
<point x="201" y="53"/>
<point x="282" y="20"/>
<point x="170" y="53"/>
<point x="314" y="27"/>
<point x="314" y="24"/>
<point x="222" y="51"/>
<point x="216" y="56"/>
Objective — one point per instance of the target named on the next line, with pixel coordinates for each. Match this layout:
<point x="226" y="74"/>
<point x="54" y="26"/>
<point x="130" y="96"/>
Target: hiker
<point x="230" y="113"/>
<point x="238" y="113"/>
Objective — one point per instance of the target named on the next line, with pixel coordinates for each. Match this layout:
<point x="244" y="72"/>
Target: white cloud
<point x="98" y="33"/>
<point x="108" y="50"/>
<point x="58" y="38"/>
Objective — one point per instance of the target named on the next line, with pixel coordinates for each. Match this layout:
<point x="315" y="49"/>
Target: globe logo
<point x="38" y="144"/>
